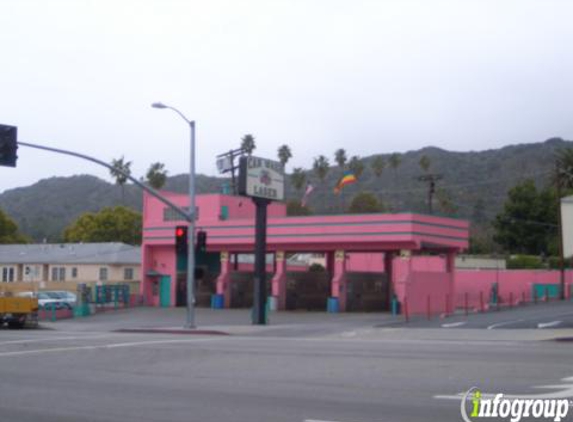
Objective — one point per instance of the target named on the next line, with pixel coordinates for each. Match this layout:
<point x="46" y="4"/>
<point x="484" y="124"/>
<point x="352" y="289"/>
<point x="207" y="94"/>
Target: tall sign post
<point x="263" y="181"/>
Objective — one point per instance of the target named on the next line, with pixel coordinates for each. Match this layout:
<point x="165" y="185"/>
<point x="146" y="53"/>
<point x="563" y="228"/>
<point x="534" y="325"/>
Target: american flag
<point x="307" y="192"/>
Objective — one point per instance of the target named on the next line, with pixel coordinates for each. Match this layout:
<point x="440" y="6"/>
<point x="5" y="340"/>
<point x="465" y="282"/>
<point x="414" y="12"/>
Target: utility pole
<point x="431" y="179"/>
<point x="226" y="163"/>
<point x="560" y="233"/>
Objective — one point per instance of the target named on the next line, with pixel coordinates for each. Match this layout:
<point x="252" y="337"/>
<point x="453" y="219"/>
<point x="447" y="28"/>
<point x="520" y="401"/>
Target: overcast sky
<point x="367" y="76"/>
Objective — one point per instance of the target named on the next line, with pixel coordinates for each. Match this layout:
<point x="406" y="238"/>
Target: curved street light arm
<point x="189" y="122"/>
<point x="148" y="189"/>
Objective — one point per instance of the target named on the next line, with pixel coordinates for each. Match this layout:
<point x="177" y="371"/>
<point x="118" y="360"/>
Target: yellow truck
<point x="18" y="312"/>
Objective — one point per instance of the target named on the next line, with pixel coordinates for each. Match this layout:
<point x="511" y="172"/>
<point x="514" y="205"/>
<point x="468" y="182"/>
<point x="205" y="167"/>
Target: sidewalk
<point x="223" y="321"/>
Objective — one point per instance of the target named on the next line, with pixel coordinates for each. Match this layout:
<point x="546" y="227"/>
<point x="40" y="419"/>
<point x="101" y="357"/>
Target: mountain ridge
<point x="475" y="183"/>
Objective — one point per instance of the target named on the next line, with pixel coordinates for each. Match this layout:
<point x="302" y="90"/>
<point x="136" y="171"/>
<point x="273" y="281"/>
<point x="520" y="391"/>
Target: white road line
<point x="454" y="324"/>
<point x="501" y="324"/>
<point x="317" y="420"/>
<point x="549" y="324"/>
<point x="101" y="346"/>
<point x="40" y="340"/>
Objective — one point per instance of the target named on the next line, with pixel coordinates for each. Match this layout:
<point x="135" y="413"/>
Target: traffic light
<point x="181" y="242"/>
<point x="202" y="241"/>
<point x="8" y="145"/>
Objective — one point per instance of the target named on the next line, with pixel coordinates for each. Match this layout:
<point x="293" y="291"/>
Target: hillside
<point x="476" y="184"/>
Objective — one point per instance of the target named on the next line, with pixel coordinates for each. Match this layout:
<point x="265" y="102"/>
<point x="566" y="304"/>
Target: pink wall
<point x="428" y="292"/>
<point x="374" y="262"/>
<point x="162" y="260"/>
<point x="512" y="284"/>
<point x="209" y="208"/>
<point x="247" y="267"/>
<point x="417" y="279"/>
<point x="240" y="208"/>
<point x="365" y="262"/>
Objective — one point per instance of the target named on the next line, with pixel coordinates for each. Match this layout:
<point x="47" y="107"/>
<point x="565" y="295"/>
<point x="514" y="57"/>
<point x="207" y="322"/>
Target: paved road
<point x="349" y="372"/>
<point x="555" y="315"/>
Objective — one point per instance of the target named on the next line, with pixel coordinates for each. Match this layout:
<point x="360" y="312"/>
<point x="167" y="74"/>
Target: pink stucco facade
<point x="472" y="288"/>
<point x="352" y="243"/>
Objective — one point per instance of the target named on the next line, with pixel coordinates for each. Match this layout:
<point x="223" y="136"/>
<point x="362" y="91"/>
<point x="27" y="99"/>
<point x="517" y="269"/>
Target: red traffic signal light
<point x="181" y="242"/>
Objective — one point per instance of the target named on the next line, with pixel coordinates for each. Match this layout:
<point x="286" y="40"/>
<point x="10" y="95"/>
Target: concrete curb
<point x="172" y="331"/>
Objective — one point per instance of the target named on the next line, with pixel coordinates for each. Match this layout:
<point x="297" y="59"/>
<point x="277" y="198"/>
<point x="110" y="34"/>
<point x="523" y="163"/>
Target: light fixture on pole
<point x="190" y="322"/>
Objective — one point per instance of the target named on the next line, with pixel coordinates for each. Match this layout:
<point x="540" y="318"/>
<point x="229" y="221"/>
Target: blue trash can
<point x="217" y="301"/>
<point x="332" y="306"/>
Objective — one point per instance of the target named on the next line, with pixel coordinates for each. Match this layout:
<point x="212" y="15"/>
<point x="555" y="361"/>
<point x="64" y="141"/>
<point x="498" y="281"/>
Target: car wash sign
<point x="261" y="178"/>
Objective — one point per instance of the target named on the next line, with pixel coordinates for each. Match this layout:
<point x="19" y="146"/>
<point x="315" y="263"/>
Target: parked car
<point x="57" y="299"/>
<point x="67" y="297"/>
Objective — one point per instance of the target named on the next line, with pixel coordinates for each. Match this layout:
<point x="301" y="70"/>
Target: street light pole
<point x="190" y="322"/>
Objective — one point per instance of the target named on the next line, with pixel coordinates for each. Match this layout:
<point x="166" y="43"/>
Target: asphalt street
<point x="555" y="314"/>
<point x="342" y="369"/>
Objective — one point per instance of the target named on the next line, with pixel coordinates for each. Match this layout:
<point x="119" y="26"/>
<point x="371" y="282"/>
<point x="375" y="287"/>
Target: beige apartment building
<point x="29" y="266"/>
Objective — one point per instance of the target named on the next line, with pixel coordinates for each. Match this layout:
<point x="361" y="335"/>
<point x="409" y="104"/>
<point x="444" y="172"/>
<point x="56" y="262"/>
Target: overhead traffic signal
<point x="201" y="241"/>
<point x="8" y="145"/>
<point x="181" y="242"/>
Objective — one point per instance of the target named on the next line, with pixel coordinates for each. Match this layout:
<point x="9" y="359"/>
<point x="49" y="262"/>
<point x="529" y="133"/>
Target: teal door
<point x="165" y="291"/>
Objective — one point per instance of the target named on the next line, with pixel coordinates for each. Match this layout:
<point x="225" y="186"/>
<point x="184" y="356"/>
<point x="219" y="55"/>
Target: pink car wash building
<point x="392" y="239"/>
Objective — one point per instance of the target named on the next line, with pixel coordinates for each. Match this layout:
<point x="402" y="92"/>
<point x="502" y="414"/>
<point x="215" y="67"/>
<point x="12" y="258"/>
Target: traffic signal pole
<point x="186" y="216"/>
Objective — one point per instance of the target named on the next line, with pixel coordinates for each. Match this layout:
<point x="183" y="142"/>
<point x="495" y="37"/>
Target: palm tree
<point x="445" y="202"/>
<point x="248" y="144"/>
<point x="378" y="165"/>
<point x="121" y="169"/>
<point x="284" y="154"/>
<point x="395" y="161"/>
<point x="156" y="175"/>
<point x="356" y="166"/>
<point x="340" y="158"/>
<point x="321" y="167"/>
<point x="564" y="167"/>
<point x="298" y="178"/>
<point x="425" y="163"/>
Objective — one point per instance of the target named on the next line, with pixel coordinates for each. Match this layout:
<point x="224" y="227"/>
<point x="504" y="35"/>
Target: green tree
<point x="479" y="215"/>
<point x="121" y="169"/>
<point x="356" y="166"/>
<point x="395" y="160"/>
<point x="527" y="225"/>
<point x="425" y="163"/>
<point x="445" y="202"/>
<point x="316" y="268"/>
<point x="284" y="154"/>
<point x="365" y="203"/>
<point x="320" y="167"/>
<point x="340" y="158"/>
<point x="9" y="232"/>
<point x="298" y="178"/>
<point x="248" y="144"/>
<point x="118" y="224"/>
<point x="528" y="262"/>
<point x="156" y="175"/>
<point x="294" y="208"/>
<point x="377" y="165"/>
<point x="564" y="167"/>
